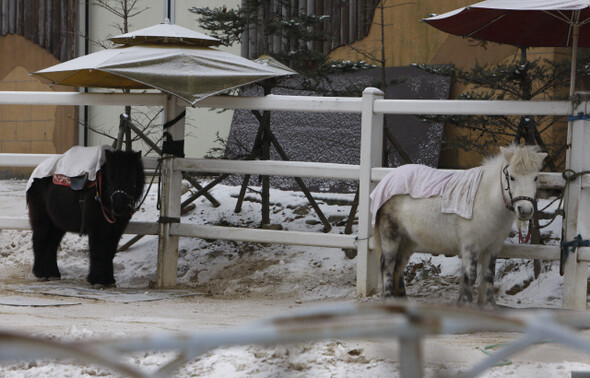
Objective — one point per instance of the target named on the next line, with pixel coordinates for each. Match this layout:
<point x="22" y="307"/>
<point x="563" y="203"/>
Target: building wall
<point x="31" y="128"/>
<point x="35" y="35"/>
<point x="407" y="40"/>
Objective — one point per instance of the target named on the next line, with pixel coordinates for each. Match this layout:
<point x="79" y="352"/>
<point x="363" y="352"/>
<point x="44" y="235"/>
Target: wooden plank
<point x="12" y="16"/>
<point x="23" y="160"/>
<point x="576" y="202"/>
<point x="344" y="23"/>
<point x="317" y="239"/>
<point x="4" y="17"/>
<point x="19" y="19"/>
<point x="78" y="98"/>
<point x="170" y="193"/>
<point x="352" y="21"/>
<point x="48" y="21"/>
<point x="473" y="107"/>
<point x="371" y="151"/>
<point x="136" y="228"/>
<point x="14" y="223"/>
<point x="517" y="251"/>
<point x="315" y="104"/>
<point x="41" y="23"/>
<point x="547" y="180"/>
<point x="32" y="160"/>
<point x="142" y="228"/>
<point x="271" y="168"/>
<point x="583" y="254"/>
<point x="410" y="357"/>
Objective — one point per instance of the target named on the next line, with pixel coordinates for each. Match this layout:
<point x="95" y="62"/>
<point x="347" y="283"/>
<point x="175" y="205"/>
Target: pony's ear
<point x="138" y="155"/>
<point x="542" y="155"/>
<point x="108" y="154"/>
<point x="507" y="153"/>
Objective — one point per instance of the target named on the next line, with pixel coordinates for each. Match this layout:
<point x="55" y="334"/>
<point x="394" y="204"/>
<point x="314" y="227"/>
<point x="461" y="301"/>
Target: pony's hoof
<point x="48" y="278"/>
<point x="100" y="279"/>
<point x="487" y="306"/>
<point x="101" y="285"/>
<point x="98" y="286"/>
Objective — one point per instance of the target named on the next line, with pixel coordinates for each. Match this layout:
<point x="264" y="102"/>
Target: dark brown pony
<point x="101" y="209"/>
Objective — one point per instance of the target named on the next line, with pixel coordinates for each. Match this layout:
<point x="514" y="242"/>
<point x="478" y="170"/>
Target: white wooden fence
<point x="372" y="107"/>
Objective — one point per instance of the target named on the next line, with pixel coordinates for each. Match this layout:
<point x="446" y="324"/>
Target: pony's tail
<point x="378" y="251"/>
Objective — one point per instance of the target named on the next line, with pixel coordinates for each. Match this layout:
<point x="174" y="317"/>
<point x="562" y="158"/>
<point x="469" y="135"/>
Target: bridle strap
<point x="510" y="205"/>
<point x="122" y="192"/>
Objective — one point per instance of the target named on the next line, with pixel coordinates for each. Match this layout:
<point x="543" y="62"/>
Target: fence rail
<point x="340" y="321"/>
<point x="295" y="168"/>
<point x="371" y="106"/>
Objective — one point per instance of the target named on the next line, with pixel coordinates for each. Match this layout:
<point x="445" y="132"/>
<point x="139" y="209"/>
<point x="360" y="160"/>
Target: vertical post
<point x="367" y="267"/>
<point x="410" y="357"/>
<point x="170" y="187"/>
<point x="577" y="202"/>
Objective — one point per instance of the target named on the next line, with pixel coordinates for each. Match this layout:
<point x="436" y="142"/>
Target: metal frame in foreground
<point x="407" y="322"/>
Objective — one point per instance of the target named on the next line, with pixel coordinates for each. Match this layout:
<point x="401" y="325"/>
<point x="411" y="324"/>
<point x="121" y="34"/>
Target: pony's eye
<point x="511" y="178"/>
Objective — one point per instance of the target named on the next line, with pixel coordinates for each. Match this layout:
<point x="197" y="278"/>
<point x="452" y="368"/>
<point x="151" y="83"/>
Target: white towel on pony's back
<point x="74" y="162"/>
<point x="459" y="193"/>
<point x="419" y="181"/>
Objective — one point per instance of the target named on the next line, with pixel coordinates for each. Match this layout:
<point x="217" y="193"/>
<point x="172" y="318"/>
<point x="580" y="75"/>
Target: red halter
<point x="98" y="197"/>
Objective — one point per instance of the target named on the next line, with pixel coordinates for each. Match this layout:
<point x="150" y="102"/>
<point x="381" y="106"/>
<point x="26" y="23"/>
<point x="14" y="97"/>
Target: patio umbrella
<point x="523" y="23"/>
<point x="167" y="57"/>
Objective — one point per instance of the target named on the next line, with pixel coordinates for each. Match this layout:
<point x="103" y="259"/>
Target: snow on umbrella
<point x="166" y="33"/>
<point x="523" y="23"/>
<point x="164" y="57"/>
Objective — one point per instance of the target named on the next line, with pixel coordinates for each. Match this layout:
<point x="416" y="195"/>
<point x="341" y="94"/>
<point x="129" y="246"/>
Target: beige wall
<point x="407" y="41"/>
<point x="28" y="128"/>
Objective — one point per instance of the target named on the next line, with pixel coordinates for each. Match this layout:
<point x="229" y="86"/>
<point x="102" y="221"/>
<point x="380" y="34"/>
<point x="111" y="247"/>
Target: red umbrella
<point x="523" y="23"/>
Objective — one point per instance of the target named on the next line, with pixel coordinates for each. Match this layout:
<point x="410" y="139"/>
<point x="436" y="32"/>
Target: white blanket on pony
<point x="457" y="189"/>
<point x="74" y="162"/>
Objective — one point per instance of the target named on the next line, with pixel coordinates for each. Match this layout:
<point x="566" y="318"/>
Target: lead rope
<point x="568" y="175"/>
<point x="98" y="197"/>
<point x="526" y="239"/>
<point x="158" y="169"/>
<point x="509" y="206"/>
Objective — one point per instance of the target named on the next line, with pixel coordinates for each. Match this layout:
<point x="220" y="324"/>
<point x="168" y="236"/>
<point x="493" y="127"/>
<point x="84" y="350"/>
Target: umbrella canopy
<point x="523" y="23"/>
<point x="168" y="34"/>
<point x="526" y="23"/>
<point x="160" y="58"/>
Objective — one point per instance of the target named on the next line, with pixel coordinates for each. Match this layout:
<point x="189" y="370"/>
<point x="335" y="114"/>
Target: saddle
<point x="77" y="184"/>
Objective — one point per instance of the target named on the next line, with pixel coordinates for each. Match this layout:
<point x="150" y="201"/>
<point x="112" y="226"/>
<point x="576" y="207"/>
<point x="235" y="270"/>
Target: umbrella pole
<point x="576" y="30"/>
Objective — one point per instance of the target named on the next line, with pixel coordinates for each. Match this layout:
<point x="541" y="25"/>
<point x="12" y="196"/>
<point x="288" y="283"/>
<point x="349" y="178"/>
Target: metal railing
<point x="408" y="323"/>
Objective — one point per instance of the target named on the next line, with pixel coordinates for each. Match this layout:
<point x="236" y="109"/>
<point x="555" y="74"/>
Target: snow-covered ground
<point x="227" y="284"/>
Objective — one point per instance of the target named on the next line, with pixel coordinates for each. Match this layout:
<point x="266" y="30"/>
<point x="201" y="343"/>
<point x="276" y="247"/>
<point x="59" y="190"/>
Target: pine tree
<point x="519" y="79"/>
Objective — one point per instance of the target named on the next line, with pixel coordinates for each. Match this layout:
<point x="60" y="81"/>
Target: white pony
<point x="506" y="191"/>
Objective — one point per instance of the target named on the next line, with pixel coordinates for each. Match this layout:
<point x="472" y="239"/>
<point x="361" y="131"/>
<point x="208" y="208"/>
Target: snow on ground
<point x="224" y="284"/>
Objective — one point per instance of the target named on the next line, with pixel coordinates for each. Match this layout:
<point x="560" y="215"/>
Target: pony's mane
<point x="525" y="158"/>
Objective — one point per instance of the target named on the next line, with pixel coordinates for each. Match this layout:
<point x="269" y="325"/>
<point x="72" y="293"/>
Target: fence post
<point x="577" y="203"/>
<point x="171" y="186"/>
<point x="367" y="267"/>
